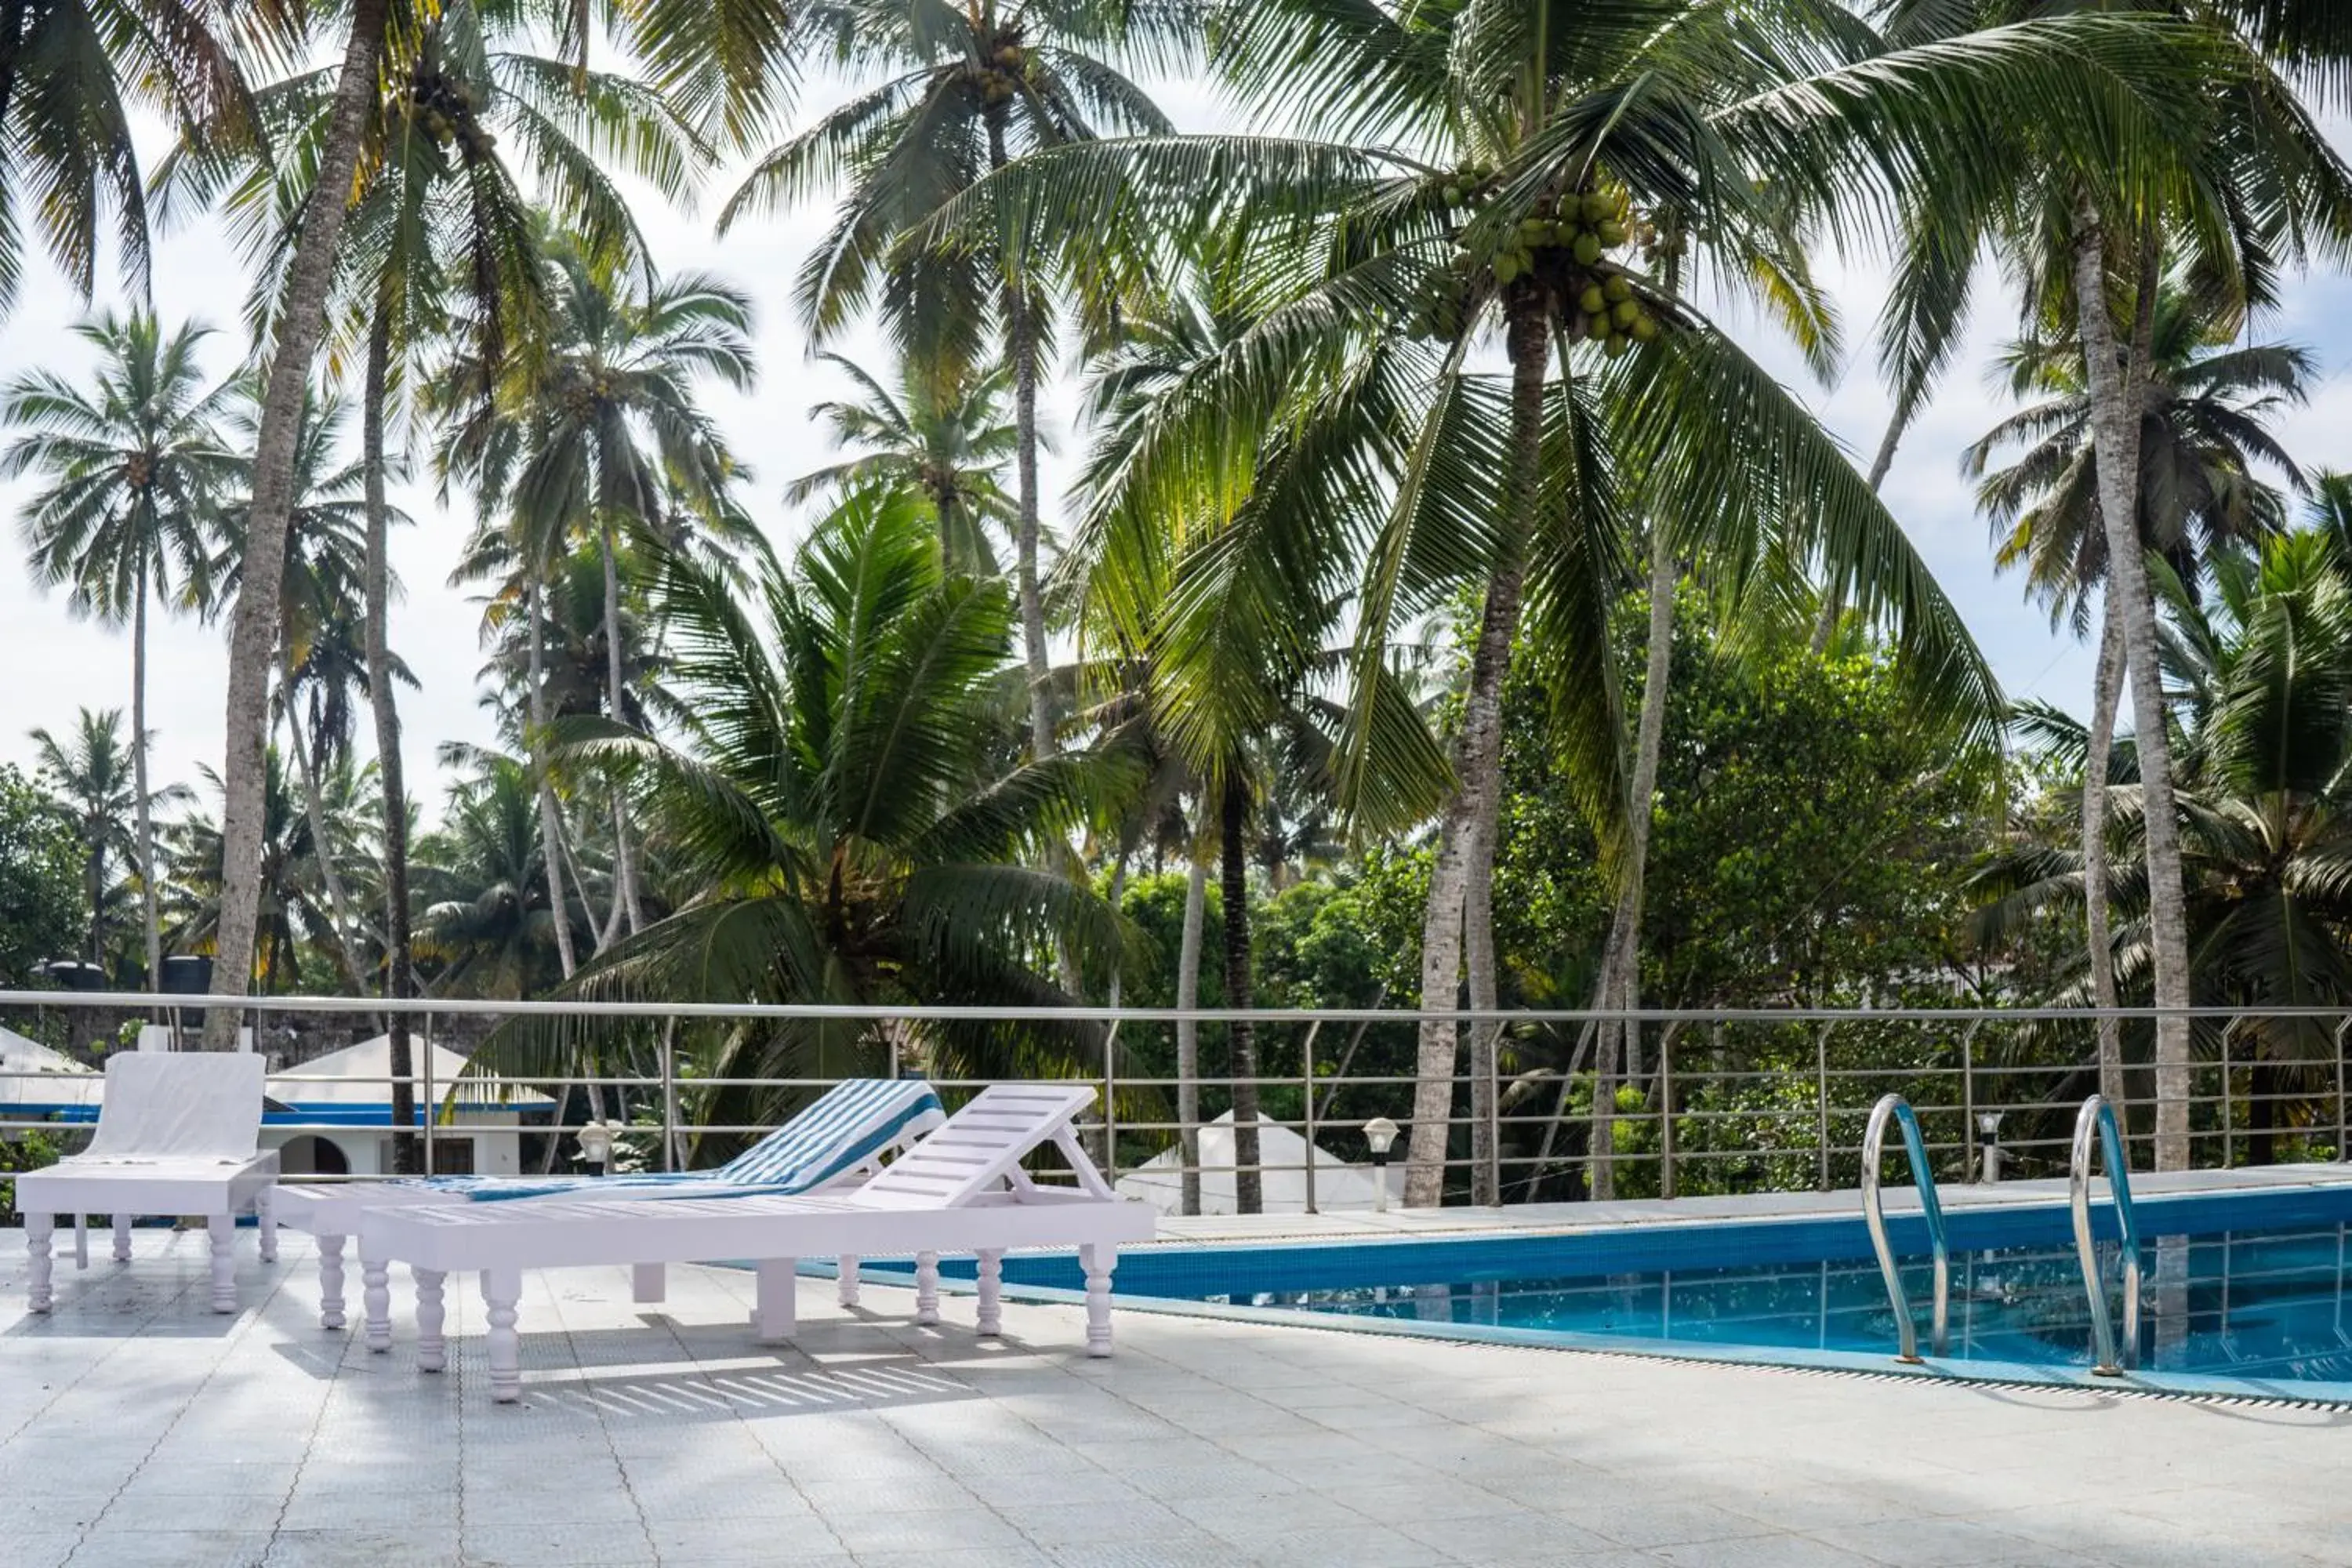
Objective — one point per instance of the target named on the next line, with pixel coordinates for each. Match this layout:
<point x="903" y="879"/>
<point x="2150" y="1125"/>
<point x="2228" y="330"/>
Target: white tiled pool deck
<point x="137" y="1428"/>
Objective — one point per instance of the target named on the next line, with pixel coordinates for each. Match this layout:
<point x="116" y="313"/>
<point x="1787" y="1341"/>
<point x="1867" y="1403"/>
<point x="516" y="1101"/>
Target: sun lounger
<point x="176" y="1135"/>
<point x="961" y="1189"/>
<point x="839" y="1139"/>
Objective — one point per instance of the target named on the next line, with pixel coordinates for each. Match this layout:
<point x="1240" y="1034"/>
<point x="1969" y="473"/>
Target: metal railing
<point x="1892" y="1108"/>
<point x="1710" y="1100"/>
<point x="2096" y="1123"/>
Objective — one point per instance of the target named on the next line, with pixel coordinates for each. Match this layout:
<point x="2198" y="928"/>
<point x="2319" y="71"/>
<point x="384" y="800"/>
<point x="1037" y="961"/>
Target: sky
<point x="56" y="664"/>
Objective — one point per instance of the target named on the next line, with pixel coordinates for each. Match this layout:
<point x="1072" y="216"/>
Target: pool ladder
<point x="2096" y="1123"/>
<point x="1894" y="1107"/>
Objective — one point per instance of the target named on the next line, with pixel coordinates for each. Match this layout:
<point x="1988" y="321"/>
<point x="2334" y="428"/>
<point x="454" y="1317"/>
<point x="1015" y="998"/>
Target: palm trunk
<point x="2116" y="429"/>
<point x="1188" y="1034"/>
<point x="2100" y="940"/>
<point x="1249" y="1196"/>
<point x="1021" y="342"/>
<point x="1477" y="757"/>
<point x="259" y="613"/>
<point x="399" y="969"/>
<point x="551" y="824"/>
<point x="1622" y="971"/>
<point x="145" y="812"/>
<point x="624" y="866"/>
<point x="1478" y="963"/>
<point x="314" y="810"/>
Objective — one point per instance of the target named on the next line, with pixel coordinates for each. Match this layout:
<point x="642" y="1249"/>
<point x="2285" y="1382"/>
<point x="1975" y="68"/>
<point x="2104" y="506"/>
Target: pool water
<point x="2263" y="1303"/>
<point x="2245" y="1290"/>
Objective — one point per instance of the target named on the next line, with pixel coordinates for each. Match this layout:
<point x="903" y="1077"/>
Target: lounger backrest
<point x="180" y="1105"/>
<point x="842" y="1129"/>
<point x="979" y="1146"/>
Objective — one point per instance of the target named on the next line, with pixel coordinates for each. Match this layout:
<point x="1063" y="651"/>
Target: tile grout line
<point x="244" y="1324"/>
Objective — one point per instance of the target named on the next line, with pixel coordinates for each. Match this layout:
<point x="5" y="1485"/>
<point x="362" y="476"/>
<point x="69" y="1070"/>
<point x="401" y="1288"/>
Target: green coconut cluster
<point x="1567" y="246"/>
<point x="444" y="107"/>
<point x="1008" y="65"/>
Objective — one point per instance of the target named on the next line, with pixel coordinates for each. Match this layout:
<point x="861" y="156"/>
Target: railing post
<point x="669" y="1094"/>
<point x="2340" y="1120"/>
<point x="2228" y="1122"/>
<point x="424" y="1074"/>
<point x="1306" y="1081"/>
<point x="1821" y="1098"/>
<point x="1494" y="1054"/>
<point x="1111" y="1102"/>
<point x="1968" y="1092"/>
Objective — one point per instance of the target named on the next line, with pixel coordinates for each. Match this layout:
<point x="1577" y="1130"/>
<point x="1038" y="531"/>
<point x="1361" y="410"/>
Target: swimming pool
<point x="2246" y="1291"/>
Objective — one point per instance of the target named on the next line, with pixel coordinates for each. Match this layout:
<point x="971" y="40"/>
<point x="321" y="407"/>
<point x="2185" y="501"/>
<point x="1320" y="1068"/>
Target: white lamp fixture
<point x="1379" y="1135"/>
<point x="1988" y="1142"/>
<point x="596" y="1144"/>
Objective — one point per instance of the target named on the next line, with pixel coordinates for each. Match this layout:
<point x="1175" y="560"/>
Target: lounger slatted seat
<point x="177" y="1134"/>
<point x="838" y="1138"/>
<point x="961" y="1189"/>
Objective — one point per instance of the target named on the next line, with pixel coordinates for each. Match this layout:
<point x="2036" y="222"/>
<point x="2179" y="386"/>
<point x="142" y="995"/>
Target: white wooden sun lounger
<point x="176" y="1135"/>
<point x="837" y="1140"/>
<point x="959" y="1190"/>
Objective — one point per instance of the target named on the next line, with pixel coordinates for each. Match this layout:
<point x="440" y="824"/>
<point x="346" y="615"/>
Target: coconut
<point x="1645" y="327"/>
<point x="1507" y="268"/>
<point x="1611" y="232"/>
<point x="1593" y="301"/>
<point x="1596" y="207"/>
<point x="1596" y="328"/>
<point x="1616" y="287"/>
<point x="1626" y="311"/>
<point x="1453" y="195"/>
<point x="1587" y="248"/>
<point x="1616" y="345"/>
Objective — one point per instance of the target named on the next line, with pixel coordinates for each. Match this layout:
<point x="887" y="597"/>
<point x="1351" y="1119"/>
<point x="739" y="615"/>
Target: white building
<point x="1282" y="1157"/>
<point x="332" y="1116"/>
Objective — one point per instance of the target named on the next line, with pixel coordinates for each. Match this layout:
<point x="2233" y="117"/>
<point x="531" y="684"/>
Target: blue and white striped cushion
<point x="840" y="1129"/>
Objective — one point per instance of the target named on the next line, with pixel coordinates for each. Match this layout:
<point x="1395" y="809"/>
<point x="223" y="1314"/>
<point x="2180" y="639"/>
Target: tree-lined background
<point x="1377" y="549"/>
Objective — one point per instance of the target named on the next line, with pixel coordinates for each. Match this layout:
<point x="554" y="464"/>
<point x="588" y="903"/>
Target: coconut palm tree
<point x="2251" y="185"/>
<point x="2263" y="673"/>
<point x="92" y="778"/>
<point x="836" y="797"/>
<point x="943" y="435"/>
<point x="295" y="913"/>
<point x="946" y="93"/>
<point x="1534" y="173"/>
<point x="2203" y="436"/>
<point x="598" y="435"/>
<point x="486" y="924"/>
<point x="134" y="468"/>
<point x="321" y="655"/>
<point x="71" y="82"/>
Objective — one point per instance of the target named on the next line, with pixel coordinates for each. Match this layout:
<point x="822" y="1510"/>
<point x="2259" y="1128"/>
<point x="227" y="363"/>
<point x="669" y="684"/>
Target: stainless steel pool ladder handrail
<point x="2097" y="1122"/>
<point x="1895" y="1108"/>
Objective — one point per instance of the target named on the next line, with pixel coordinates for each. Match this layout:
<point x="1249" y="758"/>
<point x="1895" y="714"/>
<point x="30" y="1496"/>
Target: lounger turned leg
<point x="265" y="1220"/>
<point x="848" y="1281"/>
<point x="38" y="1227"/>
<point x="648" y="1282"/>
<point x="776" y="1286"/>
<point x="992" y="1285"/>
<point x="122" y="1238"/>
<point x="81" y="1241"/>
<point x="432" y="1348"/>
<point x="331" y="1282"/>
<point x="927" y="1287"/>
<point x="1099" y="1260"/>
<point x="221" y="1228"/>
<point x="376" y="1301"/>
<point x="501" y="1295"/>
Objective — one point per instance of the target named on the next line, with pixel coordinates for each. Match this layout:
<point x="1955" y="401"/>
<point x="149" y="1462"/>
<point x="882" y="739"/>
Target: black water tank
<point x="188" y="974"/>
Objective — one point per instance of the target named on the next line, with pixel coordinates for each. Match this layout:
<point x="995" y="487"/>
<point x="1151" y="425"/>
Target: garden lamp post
<point x="1988" y="1146"/>
<point x="596" y="1144"/>
<point x="1379" y="1134"/>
